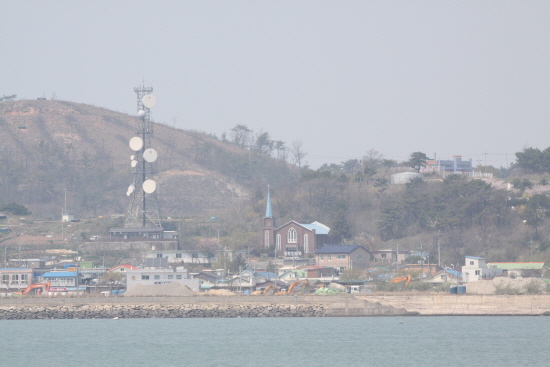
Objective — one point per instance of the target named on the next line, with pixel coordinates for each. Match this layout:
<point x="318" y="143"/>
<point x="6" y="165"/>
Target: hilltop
<point x="48" y="145"/>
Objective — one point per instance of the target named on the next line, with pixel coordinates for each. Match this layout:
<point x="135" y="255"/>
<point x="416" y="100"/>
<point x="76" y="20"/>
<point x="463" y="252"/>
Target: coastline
<point x="275" y="306"/>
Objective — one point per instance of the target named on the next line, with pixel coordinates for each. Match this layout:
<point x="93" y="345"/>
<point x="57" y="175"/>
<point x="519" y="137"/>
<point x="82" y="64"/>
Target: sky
<point x="469" y="78"/>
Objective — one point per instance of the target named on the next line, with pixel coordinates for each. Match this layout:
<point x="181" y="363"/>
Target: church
<point x="292" y="239"/>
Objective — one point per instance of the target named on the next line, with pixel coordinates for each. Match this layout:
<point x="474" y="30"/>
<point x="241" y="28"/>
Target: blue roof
<point x="267" y="275"/>
<point x="454" y="272"/>
<point x="477" y="258"/>
<point x="338" y="249"/>
<point x="318" y="227"/>
<point x="60" y="274"/>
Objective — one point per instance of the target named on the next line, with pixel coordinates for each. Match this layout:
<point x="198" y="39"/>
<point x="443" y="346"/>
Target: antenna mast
<point x="142" y="190"/>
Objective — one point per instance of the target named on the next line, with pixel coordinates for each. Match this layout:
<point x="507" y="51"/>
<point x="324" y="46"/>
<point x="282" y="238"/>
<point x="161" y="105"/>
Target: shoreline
<point x="375" y="305"/>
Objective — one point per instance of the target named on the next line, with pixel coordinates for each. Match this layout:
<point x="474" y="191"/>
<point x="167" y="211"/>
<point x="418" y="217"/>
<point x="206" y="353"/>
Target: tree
<point x="340" y="229"/>
<point x="15" y="209"/>
<point x="241" y="135"/>
<point x="8" y="98"/>
<point x="298" y="152"/>
<point x="535" y="211"/>
<point x="417" y="160"/>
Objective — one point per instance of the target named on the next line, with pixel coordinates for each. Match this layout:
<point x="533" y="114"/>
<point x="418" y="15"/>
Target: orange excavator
<point x="27" y="290"/>
<point x="267" y="291"/>
<point x="290" y="291"/>
<point x="401" y="279"/>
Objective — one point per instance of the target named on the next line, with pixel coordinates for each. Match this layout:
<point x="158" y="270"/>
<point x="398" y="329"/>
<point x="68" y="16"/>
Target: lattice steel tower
<point x="143" y="211"/>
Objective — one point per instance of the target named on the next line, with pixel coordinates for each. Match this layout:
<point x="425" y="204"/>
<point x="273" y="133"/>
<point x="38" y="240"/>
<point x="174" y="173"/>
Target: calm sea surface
<point x="381" y="341"/>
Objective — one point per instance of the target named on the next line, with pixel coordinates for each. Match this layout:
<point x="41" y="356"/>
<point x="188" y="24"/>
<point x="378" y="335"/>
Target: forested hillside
<point x="47" y="146"/>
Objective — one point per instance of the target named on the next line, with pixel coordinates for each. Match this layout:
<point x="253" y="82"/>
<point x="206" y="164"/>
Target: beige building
<point x="342" y="257"/>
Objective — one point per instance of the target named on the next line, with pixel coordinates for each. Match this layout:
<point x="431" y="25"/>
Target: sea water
<point x="368" y="341"/>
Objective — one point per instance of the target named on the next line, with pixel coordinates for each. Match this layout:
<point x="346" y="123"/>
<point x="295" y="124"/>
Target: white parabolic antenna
<point x="132" y="157"/>
<point x="131" y="188"/>
<point x="150" y="155"/>
<point x="133" y="163"/>
<point x="136" y="143"/>
<point x="141" y="114"/>
<point x="149" y="186"/>
<point x="149" y="100"/>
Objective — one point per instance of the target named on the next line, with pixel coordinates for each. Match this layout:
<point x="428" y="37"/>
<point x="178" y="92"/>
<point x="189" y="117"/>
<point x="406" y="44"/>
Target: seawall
<point x="192" y="307"/>
<point x="469" y="305"/>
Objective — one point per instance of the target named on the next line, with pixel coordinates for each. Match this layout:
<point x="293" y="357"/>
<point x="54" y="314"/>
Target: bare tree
<point x="298" y="152"/>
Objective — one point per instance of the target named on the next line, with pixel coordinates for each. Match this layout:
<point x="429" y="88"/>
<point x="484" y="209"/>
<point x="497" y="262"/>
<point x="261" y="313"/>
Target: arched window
<point x="292" y="236"/>
<point x="278" y="242"/>
<point x="266" y="239"/>
<point x="306" y="243"/>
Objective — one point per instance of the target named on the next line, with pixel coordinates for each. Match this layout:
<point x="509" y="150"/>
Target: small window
<point x="478" y="272"/>
<point x="159" y="256"/>
<point x="157" y="277"/>
<point x="359" y="257"/>
<point x="178" y="276"/>
<point x="145" y="277"/>
<point x="383" y="256"/>
<point x="278" y="242"/>
<point x="178" y="256"/>
<point x="292" y="236"/>
<point x="340" y="256"/>
<point x="15" y="277"/>
<point x="342" y="269"/>
<point x="322" y="257"/>
<point x="471" y="263"/>
<point x="170" y="276"/>
<point x="329" y="257"/>
<point x="5" y="278"/>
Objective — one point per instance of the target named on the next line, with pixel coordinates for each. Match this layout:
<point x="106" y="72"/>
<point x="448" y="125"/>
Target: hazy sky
<point x="446" y="77"/>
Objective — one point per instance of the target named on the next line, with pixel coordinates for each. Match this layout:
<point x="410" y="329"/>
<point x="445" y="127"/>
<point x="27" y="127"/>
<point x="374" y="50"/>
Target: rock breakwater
<point x="161" y="311"/>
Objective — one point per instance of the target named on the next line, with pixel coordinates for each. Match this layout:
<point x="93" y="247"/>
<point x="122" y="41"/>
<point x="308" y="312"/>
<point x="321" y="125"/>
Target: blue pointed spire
<point x="268" y="210"/>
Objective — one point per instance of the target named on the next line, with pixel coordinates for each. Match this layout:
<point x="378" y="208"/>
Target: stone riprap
<point x="160" y="311"/>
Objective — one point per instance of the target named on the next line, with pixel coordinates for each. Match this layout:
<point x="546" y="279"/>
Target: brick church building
<point x="292" y="239"/>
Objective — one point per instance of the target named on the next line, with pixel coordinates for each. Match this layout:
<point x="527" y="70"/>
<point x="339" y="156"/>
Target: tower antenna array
<point x="143" y="210"/>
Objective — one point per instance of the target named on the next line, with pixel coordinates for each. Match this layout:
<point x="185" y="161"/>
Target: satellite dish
<point x="133" y="163"/>
<point x="136" y="143"/>
<point x="150" y="155"/>
<point x="149" y="100"/>
<point x="141" y="114"/>
<point x="128" y="193"/>
<point x="149" y="186"/>
<point x="132" y="157"/>
<point x="131" y="188"/>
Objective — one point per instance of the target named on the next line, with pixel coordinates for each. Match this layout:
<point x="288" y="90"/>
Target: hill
<point x="49" y="145"/>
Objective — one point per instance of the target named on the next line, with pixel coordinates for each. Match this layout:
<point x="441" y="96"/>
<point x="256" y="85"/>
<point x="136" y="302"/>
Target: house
<point x="456" y="165"/>
<point x="476" y="268"/>
<point x="14" y="279"/>
<point x="142" y="233"/>
<point x="390" y="255"/>
<point x="208" y="279"/>
<point x="160" y="276"/>
<point x="292" y="239"/>
<point x="123" y="268"/>
<point x="521" y="269"/>
<point x="183" y="256"/>
<point x="342" y="257"/>
<point x="67" y="217"/>
<point x="63" y="281"/>
<point x="444" y="276"/>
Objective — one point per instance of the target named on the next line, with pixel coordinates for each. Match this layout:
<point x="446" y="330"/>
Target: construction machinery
<point x="267" y="291"/>
<point x="406" y="278"/>
<point x="27" y="290"/>
<point x="290" y="291"/>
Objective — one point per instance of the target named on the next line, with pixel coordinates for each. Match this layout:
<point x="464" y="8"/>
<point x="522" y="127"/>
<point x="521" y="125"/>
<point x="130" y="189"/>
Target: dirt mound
<point x="159" y="290"/>
<point x="504" y="285"/>
<point x="219" y="292"/>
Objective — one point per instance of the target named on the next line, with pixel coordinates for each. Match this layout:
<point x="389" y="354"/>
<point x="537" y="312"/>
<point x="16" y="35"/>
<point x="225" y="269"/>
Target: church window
<point x="292" y="236"/>
<point x="278" y="242"/>
<point x="266" y="239"/>
<point x="306" y="243"/>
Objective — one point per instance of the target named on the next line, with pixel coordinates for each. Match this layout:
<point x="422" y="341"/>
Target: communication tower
<point x="143" y="211"/>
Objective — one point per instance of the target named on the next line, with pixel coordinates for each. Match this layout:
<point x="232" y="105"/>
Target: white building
<point x="160" y="276"/>
<point x="182" y="256"/>
<point x="475" y="269"/>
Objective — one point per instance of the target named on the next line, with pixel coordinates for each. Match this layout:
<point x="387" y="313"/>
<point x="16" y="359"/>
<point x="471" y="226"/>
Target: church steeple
<point x="268" y="210"/>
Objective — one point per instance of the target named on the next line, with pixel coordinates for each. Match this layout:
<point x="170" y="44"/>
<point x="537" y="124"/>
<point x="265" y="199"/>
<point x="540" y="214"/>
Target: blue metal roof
<point x="477" y="258"/>
<point x="318" y="227"/>
<point x="60" y="274"/>
<point x="338" y="249"/>
<point x="454" y="272"/>
<point x="11" y="269"/>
